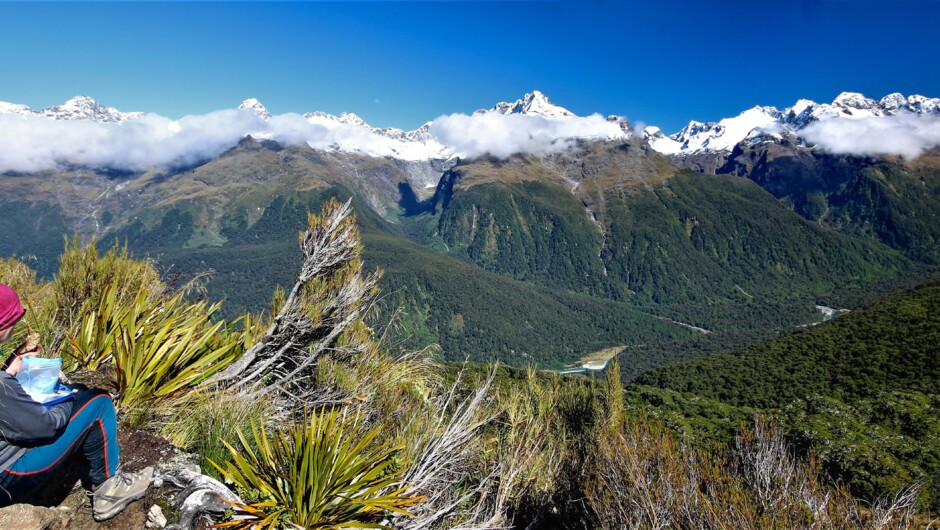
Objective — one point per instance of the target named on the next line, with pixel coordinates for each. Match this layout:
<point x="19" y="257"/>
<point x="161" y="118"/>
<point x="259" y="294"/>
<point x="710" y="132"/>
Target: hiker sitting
<point x="35" y="440"/>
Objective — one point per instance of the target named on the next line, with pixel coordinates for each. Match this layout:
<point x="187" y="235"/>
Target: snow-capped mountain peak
<point x="854" y="100"/>
<point x="330" y="120"/>
<point x="757" y="124"/>
<point x="893" y="102"/>
<point x="533" y="103"/>
<point x="801" y="106"/>
<point x="15" y="108"/>
<point x="761" y="123"/>
<point x="86" y="108"/>
<point x="921" y="105"/>
<point x="713" y="136"/>
<point x="255" y="106"/>
<point x="693" y="128"/>
<point x="622" y="122"/>
<point x="350" y="118"/>
<point x="421" y="134"/>
<point x="419" y="144"/>
<point x="77" y="108"/>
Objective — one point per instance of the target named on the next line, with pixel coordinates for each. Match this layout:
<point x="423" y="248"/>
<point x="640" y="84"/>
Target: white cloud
<point x="905" y="134"/>
<point x="503" y="135"/>
<point x="36" y="143"/>
<point x="638" y="129"/>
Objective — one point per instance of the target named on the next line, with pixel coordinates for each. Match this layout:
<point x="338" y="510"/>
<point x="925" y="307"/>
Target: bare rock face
<point x="28" y="517"/>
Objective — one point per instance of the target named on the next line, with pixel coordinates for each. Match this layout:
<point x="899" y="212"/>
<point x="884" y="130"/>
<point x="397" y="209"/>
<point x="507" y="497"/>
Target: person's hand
<point x="27" y="349"/>
<point x="13" y="367"/>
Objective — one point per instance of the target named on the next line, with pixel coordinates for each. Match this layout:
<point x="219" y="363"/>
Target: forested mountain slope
<point x="887" y="198"/>
<point x="860" y="391"/>
<point x="891" y="345"/>
<point x="617" y="221"/>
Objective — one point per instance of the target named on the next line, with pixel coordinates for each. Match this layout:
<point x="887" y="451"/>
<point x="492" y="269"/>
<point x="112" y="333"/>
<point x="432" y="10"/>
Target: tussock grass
<point x="203" y="422"/>
<point x="85" y="276"/>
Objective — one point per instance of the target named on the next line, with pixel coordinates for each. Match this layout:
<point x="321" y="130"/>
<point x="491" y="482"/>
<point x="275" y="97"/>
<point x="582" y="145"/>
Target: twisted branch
<point x="329" y="296"/>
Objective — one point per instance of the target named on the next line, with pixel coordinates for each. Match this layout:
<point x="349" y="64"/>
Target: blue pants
<point x="91" y="434"/>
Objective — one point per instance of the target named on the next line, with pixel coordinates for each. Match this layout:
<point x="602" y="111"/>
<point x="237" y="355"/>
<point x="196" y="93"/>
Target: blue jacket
<point x="25" y="423"/>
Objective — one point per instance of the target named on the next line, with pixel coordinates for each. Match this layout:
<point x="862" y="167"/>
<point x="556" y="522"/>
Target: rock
<point x="29" y="517"/>
<point x="155" y="518"/>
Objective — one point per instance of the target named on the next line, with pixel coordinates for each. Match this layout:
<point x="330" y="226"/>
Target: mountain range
<point x="589" y="235"/>
<point x="77" y="108"/>
<point x="760" y="123"/>
<point x="712" y="260"/>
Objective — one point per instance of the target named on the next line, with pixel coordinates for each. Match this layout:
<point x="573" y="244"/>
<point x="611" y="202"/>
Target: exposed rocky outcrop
<point x="29" y="517"/>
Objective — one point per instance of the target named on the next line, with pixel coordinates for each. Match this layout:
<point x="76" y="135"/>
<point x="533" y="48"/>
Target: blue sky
<point x="402" y="63"/>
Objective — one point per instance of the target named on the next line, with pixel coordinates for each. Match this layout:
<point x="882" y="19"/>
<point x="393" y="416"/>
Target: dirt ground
<point x="138" y="450"/>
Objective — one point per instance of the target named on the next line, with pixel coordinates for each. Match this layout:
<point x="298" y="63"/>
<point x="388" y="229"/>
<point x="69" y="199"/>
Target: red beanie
<point x="11" y="309"/>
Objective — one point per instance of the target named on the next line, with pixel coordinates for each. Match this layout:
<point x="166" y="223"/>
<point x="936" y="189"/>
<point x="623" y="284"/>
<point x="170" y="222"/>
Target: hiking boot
<point x="114" y="494"/>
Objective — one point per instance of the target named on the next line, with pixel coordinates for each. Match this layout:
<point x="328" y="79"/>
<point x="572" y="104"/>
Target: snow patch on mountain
<point x="660" y="142"/>
<point x="345" y="118"/>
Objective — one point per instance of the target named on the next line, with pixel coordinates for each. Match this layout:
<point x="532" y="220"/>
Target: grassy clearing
<point x="597" y="360"/>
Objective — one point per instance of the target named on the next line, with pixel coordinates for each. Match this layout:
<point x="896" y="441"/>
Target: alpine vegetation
<point x="313" y="424"/>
